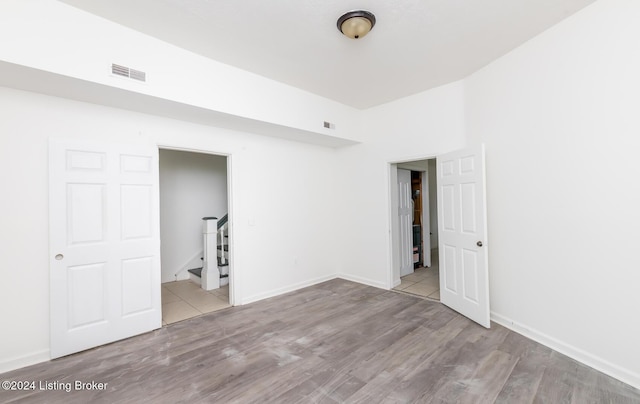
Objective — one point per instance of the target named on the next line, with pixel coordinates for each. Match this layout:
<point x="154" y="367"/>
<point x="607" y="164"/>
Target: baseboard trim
<point x="599" y="364"/>
<point x="364" y="281"/>
<point x="285" y="289"/>
<point x="25" y="360"/>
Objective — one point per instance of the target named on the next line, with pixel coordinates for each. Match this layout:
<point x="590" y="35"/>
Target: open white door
<point x="104" y="243"/>
<point x="405" y="215"/>
<point x="462" y="233"/>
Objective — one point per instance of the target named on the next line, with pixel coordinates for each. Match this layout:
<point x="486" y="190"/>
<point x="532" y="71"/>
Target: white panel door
<point x="462" y="233"/>
<point x="405" y="215"/>
<point x="104" y="243"/>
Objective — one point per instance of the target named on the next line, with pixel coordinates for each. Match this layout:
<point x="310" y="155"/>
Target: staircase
<point x="215" y="263"/>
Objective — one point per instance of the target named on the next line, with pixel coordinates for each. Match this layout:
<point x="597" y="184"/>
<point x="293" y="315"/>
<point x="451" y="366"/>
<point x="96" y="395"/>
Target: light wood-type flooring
<point x="334" y="342"/>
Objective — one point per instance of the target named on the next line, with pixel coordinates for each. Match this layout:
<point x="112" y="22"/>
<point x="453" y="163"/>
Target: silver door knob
<point x="479" y="243"/>
<point x="59" y="257"/>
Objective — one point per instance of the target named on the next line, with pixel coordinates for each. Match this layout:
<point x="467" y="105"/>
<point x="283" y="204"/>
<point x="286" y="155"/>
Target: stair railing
<point x="222" y="229"/>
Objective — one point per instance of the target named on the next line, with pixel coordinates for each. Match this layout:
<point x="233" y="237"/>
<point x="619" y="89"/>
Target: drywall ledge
<point x="39" y="81"/>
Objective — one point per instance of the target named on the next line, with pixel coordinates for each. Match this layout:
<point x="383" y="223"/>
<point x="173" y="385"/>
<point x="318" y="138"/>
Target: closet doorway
<point x="418" y="229"/>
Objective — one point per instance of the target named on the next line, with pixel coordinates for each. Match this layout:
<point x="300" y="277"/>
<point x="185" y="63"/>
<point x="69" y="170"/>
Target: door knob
<point x="479" y="243"/>
<point x="59" y="257"/>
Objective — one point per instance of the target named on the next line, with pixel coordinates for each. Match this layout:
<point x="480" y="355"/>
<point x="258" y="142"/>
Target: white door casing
<point x="405" y="215"/>
<point x="462" y="233"/>
<point x="104" y="240"/>
<point x="426" y="221"/>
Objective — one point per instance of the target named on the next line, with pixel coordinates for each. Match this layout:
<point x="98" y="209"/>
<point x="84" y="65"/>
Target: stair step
<point x="196" y="271"/>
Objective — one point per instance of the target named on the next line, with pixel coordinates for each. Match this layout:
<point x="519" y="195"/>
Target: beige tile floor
<point x="424" y="282"/>
<point x="184" y="299"/>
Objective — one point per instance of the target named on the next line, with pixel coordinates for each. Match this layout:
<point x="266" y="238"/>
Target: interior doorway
<point x="461" y="226"/>
<point x="193" y="186"/>
<point x="419" y="243"/>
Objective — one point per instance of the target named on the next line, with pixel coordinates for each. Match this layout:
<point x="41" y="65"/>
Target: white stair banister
<point x="210" y="273"/>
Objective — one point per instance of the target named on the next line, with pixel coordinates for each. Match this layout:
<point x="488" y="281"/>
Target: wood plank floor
<point x="335" y="342"/>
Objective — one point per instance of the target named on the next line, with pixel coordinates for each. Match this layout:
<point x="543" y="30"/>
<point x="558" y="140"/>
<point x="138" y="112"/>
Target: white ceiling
<point x="415" y="45"/>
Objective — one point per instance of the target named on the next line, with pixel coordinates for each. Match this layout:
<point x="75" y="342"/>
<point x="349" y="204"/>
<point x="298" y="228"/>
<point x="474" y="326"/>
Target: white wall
<point x="192" y="186"/>
<point x="409" y="129"/>
<point x="561" y="123"/>
<point x="281" y="203"/>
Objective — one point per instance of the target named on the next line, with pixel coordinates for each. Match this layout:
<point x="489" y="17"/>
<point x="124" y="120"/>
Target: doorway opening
<point x="416" y="242"/>
<point x="193" y="187"/>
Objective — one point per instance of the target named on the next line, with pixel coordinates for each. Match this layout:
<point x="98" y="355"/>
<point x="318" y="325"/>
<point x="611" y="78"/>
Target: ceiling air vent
<point x="125" y="71"/>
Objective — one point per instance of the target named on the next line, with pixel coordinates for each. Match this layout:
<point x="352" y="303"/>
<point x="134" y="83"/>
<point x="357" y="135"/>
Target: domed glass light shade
<point x="356" y="24"/>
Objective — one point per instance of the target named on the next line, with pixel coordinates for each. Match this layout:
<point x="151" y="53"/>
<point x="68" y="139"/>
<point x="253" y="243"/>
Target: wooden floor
<point x="334" y="342"/>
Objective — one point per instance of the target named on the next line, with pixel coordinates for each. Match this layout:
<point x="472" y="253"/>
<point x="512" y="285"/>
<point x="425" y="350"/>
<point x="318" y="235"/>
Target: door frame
<point x="234" y="288"/>
<point x="393" y="222"/>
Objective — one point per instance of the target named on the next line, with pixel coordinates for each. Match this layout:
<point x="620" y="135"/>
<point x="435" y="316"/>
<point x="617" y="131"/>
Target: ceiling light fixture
<point x="356" y="24"/>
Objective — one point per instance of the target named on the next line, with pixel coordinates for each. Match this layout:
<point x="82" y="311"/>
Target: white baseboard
<point x="300" y="285"/>
<point x="599" y="364"/>
<point x="285" y="289"/>
<point x="364" y="281"/>
<point x="25" y="360"/>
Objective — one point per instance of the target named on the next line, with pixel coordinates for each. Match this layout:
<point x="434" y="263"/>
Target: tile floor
<point x="184" y="299"/>
<point x="424" y="282"/>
